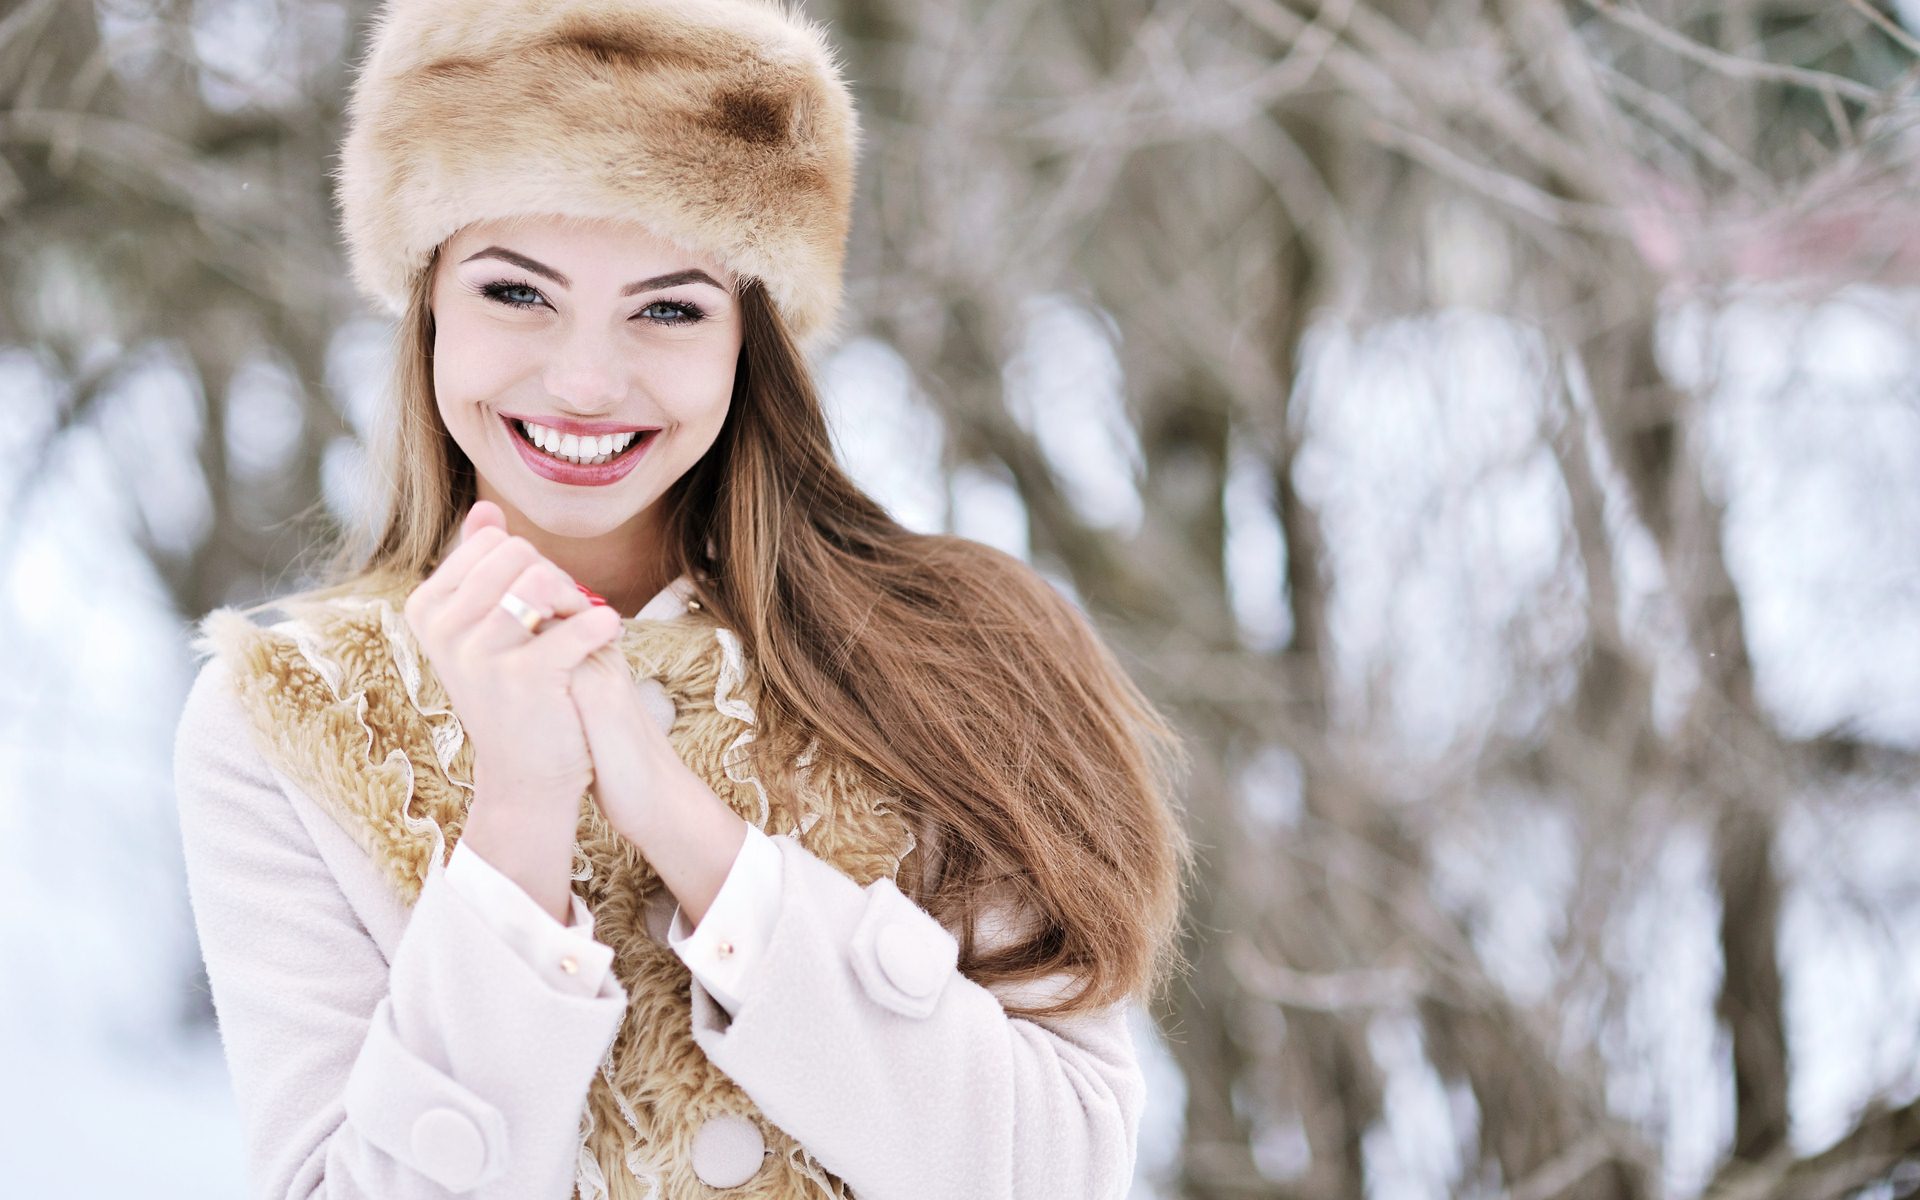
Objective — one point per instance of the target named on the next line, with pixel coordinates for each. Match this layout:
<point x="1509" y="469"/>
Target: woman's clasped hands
<point x="549" y="713"/>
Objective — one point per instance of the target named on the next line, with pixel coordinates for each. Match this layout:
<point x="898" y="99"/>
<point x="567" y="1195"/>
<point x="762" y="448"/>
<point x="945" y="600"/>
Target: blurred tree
<point x="1219" y="179"/>
<point x="150" y="195"/>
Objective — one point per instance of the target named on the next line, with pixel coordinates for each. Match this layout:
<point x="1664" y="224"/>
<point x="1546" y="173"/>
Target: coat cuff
<point x="725" y="949"/>
<point x="566" y="956"/>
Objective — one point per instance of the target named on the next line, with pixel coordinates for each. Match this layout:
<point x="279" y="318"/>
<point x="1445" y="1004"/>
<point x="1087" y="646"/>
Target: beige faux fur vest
<point x="344" y="702"/>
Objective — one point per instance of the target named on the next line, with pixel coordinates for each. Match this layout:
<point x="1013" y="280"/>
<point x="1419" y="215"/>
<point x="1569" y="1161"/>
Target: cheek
<point x="697" y="392"/>
<point x="469" y="366"/>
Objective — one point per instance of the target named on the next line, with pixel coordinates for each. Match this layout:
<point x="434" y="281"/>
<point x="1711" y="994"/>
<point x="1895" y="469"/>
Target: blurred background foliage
<point x="1488" y="427"/>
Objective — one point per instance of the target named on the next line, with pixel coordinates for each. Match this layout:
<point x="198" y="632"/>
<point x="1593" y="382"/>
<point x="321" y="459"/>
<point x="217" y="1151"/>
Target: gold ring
<point x="523" y="612"/>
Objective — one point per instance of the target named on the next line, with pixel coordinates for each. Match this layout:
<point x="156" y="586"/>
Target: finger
<point x="609" y="658"/>
<point x="601" y="671"/>
<point x="566" y="642"/>
<point x="446" y="578"/>
<point x="484" y="514"/>
<point x="540" y="583"/>
<point x="487" y="580"/>
<point x="547" y="588"/>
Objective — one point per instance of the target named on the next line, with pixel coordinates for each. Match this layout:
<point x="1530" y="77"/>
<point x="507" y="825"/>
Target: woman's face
<point x="551" y="322"/>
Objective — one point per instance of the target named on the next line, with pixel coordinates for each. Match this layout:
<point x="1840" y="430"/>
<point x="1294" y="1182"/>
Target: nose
<point x="587" y="371"/>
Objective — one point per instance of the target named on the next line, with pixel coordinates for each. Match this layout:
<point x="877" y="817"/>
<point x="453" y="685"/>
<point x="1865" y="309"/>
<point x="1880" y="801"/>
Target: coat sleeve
<point x="455" y="1070"/>
<point x="858" y="1036"/>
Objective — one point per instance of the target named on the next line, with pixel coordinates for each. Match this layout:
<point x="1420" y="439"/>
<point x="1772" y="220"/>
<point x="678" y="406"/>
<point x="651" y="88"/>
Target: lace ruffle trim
<point x="334" y="675"/>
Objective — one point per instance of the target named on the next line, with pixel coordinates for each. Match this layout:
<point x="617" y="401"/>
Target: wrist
<point x="676" y="799"/>
<point x="534" y="853"/>
<point x="691" y="837"/>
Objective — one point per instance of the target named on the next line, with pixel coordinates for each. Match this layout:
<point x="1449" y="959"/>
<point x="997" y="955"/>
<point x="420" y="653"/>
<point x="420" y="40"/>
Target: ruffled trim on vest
<point x="802" y="782"/>
<point x="443" y="724"/>
<point x="400" y="642"/>
<point x="226" y="632"/>
<point x="802" y="1163"/>
<point x="733" y="673"/>
<point x="589" y="1180"/>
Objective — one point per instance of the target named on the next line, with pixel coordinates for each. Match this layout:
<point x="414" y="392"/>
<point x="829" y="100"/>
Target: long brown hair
<point x="952" y="673"/>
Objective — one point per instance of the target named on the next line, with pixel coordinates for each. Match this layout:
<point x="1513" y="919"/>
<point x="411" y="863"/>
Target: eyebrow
<point x="692" y="275"/>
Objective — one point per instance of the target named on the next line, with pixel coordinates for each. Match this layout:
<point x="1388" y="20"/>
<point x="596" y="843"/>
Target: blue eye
<point x="685" y="311"/>
<point x="497" y="292"/>
<point x="689" y="312"/>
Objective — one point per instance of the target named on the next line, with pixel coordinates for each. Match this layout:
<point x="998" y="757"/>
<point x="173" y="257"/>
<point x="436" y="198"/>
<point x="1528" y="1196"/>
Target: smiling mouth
<point x="633" y="445"/>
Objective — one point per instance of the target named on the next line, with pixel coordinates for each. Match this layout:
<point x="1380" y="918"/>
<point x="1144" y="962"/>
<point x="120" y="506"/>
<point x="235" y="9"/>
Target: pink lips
<point x="546" y="465"/>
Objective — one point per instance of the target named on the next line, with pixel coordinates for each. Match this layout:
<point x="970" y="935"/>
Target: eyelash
<point x="691" y="312"/>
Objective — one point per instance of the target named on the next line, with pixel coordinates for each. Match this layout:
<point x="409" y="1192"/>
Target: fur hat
<point x="724" y="125"/>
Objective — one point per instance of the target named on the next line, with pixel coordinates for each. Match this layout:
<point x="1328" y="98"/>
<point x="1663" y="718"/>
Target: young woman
<point x="643" y="812"/>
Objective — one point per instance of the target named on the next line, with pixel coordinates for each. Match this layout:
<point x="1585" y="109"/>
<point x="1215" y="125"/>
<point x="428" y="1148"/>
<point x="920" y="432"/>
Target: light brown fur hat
<point x="724" y="125"/>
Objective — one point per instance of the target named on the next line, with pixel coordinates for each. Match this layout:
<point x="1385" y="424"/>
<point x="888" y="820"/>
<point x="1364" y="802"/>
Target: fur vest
<point x="343" y="701"/>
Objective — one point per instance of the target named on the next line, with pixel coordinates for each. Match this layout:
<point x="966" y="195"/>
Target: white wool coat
<point x="378" y="1051"/>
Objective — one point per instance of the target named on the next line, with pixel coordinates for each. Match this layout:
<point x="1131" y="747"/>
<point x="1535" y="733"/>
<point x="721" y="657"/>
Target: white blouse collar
<point x="669" y="602"/>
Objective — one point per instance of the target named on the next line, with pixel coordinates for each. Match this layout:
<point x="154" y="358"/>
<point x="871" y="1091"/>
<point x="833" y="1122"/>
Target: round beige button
<point x="727" y="1150"/>
<point x="448" y="1147"/>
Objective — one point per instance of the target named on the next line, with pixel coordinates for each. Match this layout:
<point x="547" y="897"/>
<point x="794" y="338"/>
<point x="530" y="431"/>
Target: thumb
<point x="482" y="514"/>
<point x="570" y="640"/>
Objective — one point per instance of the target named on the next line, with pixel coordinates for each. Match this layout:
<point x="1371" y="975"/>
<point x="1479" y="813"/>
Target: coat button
<point x="913" y="964"/>
<point x="448" y="1148"/>
<point x="727" y="1150"/>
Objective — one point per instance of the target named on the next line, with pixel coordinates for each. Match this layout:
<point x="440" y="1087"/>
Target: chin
<point x="584" y="520"/>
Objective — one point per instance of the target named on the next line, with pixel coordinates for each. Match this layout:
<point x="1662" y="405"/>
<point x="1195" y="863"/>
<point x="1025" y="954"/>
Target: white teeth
<point x="575" y="449"/>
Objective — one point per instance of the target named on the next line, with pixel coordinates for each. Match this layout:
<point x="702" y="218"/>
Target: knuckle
<point x="505" y="548"/>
